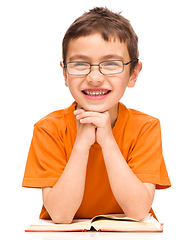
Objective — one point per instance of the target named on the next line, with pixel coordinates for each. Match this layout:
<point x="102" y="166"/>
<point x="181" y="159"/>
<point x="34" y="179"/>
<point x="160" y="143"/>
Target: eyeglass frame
<point x="98" y="65"/>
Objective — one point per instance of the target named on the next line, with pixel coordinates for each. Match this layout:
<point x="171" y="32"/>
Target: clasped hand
<point x="93" y="127"/>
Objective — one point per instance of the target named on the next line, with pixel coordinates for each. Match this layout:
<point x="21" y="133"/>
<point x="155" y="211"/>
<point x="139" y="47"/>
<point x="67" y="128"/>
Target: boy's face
<point x="95" y="91"/>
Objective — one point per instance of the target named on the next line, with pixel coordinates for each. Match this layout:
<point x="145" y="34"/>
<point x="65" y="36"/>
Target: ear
<point x="135" y="74"/>
<point x="64" y="74"/>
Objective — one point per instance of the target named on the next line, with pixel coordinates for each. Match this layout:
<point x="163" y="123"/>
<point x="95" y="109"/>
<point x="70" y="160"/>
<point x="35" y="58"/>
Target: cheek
<point x="121" y="91"/>
<point x="72" y="89"/>
<point x="120" y="87"/>
<point x="73" y="83"/>
<point x="121" y="83"/>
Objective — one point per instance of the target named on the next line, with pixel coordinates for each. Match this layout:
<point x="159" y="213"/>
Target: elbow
<point x="60" y="217"/>
<point x="138" y="215"/>
<point x="57" y="218"/>
<point x="138" y="212"/>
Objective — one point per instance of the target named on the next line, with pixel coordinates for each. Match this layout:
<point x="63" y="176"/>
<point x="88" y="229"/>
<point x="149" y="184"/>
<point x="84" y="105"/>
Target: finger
<point x="84" y="114"/>
<point x="78" y="111"/>
<point x="91" y="120"/>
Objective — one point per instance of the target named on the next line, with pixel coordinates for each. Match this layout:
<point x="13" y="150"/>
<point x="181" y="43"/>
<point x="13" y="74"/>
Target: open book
<point x="108" y="223"/>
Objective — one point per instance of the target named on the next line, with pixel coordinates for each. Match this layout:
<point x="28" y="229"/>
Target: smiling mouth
<point x="96" y="92"/>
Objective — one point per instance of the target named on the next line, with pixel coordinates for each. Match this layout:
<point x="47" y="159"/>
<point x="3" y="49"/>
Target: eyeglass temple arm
<point x="136" y="59"/>
<point x="64" y="66"/>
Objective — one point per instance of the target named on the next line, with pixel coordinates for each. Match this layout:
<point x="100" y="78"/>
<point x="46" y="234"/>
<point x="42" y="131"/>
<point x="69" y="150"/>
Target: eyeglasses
<point x="106" y="67"/>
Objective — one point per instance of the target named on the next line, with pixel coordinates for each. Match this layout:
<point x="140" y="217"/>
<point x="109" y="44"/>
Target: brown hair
<point x="109" y="25"/>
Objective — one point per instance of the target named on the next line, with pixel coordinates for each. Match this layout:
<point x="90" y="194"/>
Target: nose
<point x="95" y="76"/>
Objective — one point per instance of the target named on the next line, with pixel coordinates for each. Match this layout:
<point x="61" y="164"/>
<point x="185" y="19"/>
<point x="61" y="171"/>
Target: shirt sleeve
<point x="46" y="159"/>
<point x="146" y="158"/>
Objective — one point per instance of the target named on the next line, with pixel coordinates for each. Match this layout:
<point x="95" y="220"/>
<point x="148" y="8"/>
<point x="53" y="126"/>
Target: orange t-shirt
<point x="138" y="136"/>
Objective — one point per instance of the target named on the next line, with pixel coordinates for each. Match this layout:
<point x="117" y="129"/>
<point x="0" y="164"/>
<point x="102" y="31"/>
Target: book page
<point x="48" y="225"/>
<point x="111" y="223"/>
<point x="120" y="217"/>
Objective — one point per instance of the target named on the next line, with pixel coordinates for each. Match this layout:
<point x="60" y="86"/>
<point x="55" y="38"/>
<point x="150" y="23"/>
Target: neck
<point x="113" y="112"/>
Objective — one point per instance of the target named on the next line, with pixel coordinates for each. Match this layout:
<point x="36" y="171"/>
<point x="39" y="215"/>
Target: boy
<point x="97" y="156"/>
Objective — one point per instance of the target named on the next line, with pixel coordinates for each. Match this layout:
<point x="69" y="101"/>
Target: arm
<point x="134" y="197"/>
<point x="63" y="200"/>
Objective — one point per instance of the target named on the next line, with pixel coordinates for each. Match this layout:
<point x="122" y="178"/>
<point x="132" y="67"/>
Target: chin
<point x="93" y="107"/>
<point x="96" y="109"/>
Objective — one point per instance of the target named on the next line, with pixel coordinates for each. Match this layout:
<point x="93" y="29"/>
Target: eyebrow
<point x="86" y="58"/>
<point x="79" y="56"/>
<point x="112" y="56"/>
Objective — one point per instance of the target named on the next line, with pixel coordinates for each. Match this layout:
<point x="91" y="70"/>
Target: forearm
<point x="131" y="194"/>
<point x="63" y="200"/>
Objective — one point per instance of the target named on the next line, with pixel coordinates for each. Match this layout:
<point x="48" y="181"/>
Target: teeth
<point x="96" y="93"/>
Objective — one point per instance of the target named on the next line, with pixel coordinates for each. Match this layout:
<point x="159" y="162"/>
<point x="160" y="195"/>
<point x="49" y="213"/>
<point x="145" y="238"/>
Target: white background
<point x="32" y="85"/>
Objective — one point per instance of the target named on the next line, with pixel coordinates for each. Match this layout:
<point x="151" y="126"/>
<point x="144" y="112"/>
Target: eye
<point x="80" y="64"/>
<point x="111" y="64"/>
